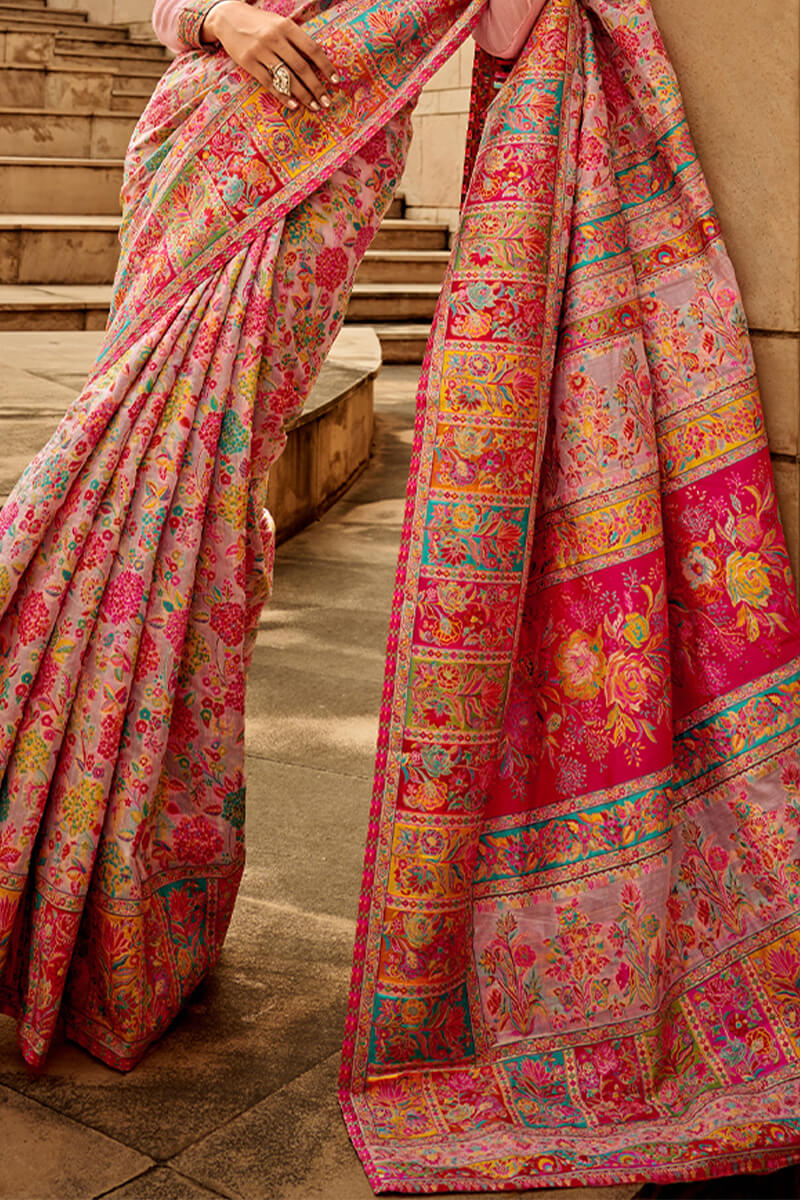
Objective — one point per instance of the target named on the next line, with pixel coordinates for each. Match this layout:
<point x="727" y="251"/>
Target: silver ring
<point x="281" y="78"/>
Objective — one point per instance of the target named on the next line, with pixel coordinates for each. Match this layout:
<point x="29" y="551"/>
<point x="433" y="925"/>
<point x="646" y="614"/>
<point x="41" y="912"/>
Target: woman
<point x="576" y="959"/>
<point x="136" y="551"/>
<point x="578" y="955"/>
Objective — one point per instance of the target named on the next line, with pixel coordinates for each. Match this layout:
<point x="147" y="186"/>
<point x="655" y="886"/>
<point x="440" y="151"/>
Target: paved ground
<point x="238" y="1100"/>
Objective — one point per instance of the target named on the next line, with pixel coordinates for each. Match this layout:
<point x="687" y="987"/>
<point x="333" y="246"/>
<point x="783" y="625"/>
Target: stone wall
<point x="432" y="180"/>
<point x="116" y="12"/>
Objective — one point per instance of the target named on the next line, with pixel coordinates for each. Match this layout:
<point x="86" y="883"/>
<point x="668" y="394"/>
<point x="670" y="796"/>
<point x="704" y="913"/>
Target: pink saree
<point x="135" y="550"/>
<point x="578" y="952"/>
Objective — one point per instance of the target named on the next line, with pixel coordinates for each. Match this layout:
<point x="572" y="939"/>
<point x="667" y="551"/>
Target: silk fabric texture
<point x="578" y="953"/>
<point x="136" y="551"/>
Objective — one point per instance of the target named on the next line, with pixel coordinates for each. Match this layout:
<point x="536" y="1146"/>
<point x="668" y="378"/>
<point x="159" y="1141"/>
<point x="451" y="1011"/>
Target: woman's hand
<point x="259" y="40"/>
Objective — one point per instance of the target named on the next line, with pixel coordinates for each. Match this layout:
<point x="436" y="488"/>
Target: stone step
<point x="130" y="102"/>
<point x="43" y="133"/>
<point x="126" y="83"/>
<point x="38" y="15"/>
<point x="109" y="35"/>
<point x="398" y="234"/>
<point x="124" y="61"/>
<point x="403" y="343"/>
<point x="403" y="266"/>
<point x="377" y="303"/>
<point x="95" y="41"/>
<point x="26" y="46"/>
<point x="31" y="185"/>
<point x="65" y="248"/>
<point x="75" y="89"/>
<point x="397" y="208"/>
<point x="61" y="249"/>
<point x="328" y="443"/>
<point x="55" y="306"/>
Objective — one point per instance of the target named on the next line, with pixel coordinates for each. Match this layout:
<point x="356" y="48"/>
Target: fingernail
<point x="325" y="102"/>
<point x="314" y="106"/>
<point x="292" y="105"/>
<point x="336" y="79"/>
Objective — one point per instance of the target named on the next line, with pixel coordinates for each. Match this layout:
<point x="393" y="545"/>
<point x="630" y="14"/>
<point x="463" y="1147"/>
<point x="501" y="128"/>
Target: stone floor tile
<point x="291" y="809"/>
<point x="331" y="585"/>
<point x="349" y="644"/>
<point x="271" y="1009"/>
<point x="162" y="1183"/>
<point x="294" y="1146"/>
<point x="46" y="1156"/>
<point x="351" y="541"/>
<point x="310" y="718"/>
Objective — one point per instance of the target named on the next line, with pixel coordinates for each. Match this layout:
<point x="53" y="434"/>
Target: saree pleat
<point x="578" y="952"/>
<point x="136" y="549"/>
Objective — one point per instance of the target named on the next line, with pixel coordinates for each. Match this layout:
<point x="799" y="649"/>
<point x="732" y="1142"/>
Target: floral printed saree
<point x="136" y="551"/>
<point x="578" y="953"/>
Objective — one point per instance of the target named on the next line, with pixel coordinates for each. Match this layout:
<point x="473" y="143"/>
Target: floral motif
<point x="747" y="579"/>
<point x="512" y="984"/>
<point x="633" y="790"/>
<point x="136" y="552"/>
<point x="581" y="659"/>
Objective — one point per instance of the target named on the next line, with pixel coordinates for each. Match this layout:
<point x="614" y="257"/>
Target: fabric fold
<point x="578" y="951"/>
<point x="136" y="550"/>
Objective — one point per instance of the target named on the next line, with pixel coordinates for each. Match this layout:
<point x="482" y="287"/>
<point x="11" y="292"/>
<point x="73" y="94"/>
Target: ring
<point x="281" y="79"/>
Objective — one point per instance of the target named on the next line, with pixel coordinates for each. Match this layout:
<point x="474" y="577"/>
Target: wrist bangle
<point x="190" y="23"/>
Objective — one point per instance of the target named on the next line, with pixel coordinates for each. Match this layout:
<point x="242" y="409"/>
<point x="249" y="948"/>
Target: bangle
<point x="190" y="23"/>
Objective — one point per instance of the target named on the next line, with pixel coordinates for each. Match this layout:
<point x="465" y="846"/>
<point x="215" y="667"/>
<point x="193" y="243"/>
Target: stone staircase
<point x="70" y="94"/>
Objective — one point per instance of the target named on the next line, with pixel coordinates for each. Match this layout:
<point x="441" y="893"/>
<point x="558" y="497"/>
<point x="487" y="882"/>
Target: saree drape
<point x="578" y="952"/>
<point x="135" y="550"/>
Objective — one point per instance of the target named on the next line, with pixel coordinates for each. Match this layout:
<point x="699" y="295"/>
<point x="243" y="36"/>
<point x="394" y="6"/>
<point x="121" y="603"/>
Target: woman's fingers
<point x="306" y="84"/>
<point x="313" y="53"/>
<point x="259" y="40"/>
<point x="263" y="74"/>
<point x="299" y="93"/>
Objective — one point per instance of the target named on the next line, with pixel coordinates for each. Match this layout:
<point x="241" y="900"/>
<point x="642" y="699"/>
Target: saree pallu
<point x="136" y="551"/>
<point x="578" y="952"/>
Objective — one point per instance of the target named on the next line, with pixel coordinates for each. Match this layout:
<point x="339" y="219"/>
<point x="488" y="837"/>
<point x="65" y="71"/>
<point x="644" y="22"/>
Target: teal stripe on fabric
<point x="435" y="1030"/>
<point x="608" y="817"/>
<point x="753" y="744"/>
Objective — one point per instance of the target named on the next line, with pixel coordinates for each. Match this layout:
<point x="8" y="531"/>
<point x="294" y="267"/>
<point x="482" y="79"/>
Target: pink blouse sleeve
<point x="505" y="26"/>
<point x="177" y="23"/>
<point x="165" y="23"/>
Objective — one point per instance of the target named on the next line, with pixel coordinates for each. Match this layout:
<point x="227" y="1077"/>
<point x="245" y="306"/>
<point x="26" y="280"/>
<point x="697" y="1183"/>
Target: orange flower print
<point x="631" y="683"/>
<point x="582" y="661"/>
<point x="636" y="629"/>
<point x="747" y="579"/>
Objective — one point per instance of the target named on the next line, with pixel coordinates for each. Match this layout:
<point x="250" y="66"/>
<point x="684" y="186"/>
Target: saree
<point x="578" y="950"/>
<point x="136" y="549"/>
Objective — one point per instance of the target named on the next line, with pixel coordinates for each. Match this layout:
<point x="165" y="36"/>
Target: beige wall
<point x="116" y="12"/>
<point x="432" y="180"/>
